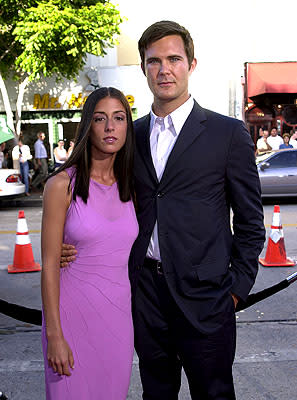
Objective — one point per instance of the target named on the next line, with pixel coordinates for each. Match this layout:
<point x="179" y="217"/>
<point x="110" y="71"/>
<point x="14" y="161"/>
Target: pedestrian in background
<point x="40" y="161"/>
<point x="286" y="144"/>
<point x="2" y="158"/>
<point x="274" y="140"/>
<point x="262" y="144"/>
<point x="60" y="154"/>
<point x="71" y="145"/>
<point x="21" y="153"/>
<point x="293" y="140"/>
<point x="261" y="132"/>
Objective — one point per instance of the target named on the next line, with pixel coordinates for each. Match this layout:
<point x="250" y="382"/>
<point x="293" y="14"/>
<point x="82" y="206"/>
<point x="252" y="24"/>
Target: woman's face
<point x="286" y="139"/>
<point x="108" y="127"/>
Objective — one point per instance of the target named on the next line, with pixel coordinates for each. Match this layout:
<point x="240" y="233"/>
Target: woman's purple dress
<point x="95" y="299"/>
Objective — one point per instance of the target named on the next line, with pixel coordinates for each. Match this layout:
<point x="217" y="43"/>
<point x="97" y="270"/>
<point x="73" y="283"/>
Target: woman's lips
<point x="110" y="139"/>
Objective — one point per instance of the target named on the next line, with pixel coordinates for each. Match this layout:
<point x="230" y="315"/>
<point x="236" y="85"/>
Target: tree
<point x="50" y="38"/>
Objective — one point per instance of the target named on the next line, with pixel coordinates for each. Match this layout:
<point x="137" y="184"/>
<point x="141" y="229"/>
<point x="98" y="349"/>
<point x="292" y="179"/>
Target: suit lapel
<point x="143" y="145"/>
<point x="191" y="130"/>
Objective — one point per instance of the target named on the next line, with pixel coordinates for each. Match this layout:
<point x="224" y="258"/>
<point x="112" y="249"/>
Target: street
<point x="265" y="367"/>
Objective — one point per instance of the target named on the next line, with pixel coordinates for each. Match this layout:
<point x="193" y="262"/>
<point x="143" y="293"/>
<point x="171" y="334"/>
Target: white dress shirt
<point x="170" y="126"/>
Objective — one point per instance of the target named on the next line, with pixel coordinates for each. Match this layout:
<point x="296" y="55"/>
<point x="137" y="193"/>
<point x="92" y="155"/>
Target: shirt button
<point x="160" y="194"/>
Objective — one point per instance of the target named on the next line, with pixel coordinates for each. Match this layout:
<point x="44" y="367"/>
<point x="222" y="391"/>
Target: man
<point x="262" y="144"/>
<point x="293" y="140"/>
<point x="40" y="159"/>
<point x="274" y="140"/>
<point x="187" y="269"/>
<point x="21" y="154"/>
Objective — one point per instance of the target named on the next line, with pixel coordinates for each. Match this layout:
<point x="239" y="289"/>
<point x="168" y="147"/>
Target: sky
<point x="226" y="34"/>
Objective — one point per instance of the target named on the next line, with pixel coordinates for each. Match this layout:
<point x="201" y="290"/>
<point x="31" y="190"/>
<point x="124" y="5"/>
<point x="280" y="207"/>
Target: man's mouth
<point x="165" y="83"/>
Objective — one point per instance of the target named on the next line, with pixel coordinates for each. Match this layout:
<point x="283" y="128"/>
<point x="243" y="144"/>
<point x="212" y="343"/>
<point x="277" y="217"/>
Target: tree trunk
<point x="7" y="106"/>
<point x="19" y="103"/>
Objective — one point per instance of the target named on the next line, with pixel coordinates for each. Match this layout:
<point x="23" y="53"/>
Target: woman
<point x="87" y="326"/>
<point x="286" y="144"/>
<point x="60" y="154"/>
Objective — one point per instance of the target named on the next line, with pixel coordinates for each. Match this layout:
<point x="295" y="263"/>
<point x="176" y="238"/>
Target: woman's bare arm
<point x="56" y="200"/>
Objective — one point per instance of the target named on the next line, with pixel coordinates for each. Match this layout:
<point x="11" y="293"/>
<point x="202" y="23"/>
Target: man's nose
<point x="164" y="67"/>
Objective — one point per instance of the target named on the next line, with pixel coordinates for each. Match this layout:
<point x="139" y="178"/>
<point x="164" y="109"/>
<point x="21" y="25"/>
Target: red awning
<point x="274" y="77"/>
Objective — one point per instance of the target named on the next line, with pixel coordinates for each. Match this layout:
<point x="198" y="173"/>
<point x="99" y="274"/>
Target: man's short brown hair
<point x="165" y="28"/>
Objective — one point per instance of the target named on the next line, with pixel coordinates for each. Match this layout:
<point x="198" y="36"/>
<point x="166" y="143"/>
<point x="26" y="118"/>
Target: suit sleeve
<point x="244" y="193"/>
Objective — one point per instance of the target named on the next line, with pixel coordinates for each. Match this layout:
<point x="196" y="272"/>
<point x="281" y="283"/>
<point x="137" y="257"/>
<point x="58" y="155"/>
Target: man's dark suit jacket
<point x="210" y="170"/>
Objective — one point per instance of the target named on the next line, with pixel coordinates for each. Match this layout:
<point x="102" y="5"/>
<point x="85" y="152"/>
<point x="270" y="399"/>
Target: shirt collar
<point x="177" y="118"/>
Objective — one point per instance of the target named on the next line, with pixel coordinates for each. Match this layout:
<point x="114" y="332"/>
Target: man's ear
<point x="143" y="68"/>
<point x="193" y="65"/>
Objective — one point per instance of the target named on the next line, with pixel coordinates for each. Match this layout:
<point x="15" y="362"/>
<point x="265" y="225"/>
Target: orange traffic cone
<point x="23" y="260"/>
<point x="276" y="251"/>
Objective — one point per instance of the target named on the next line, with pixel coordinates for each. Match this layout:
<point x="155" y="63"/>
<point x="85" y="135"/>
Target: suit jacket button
<point x="160" y="194"/>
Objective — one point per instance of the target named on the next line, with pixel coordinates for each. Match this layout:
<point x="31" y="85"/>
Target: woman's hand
<point x="59" y="356"/>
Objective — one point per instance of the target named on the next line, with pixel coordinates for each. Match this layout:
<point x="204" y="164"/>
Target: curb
<point x="35" y="200"/>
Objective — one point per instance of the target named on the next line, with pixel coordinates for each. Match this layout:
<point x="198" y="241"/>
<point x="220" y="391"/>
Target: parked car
<point x="10" y="183"/>
<point x="278" y="173"/>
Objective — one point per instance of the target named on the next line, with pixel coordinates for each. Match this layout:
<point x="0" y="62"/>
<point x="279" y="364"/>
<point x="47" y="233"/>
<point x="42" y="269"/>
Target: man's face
<point x="265" y="134"/>
<point x="42" y="136"/>
<point x="167" y="69"/>
<point x="273" y="132"/>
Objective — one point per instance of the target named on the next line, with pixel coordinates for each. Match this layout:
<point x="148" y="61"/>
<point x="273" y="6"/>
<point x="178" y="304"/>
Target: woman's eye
<point x="120" y="118"/>
<point x="99" y="119"/>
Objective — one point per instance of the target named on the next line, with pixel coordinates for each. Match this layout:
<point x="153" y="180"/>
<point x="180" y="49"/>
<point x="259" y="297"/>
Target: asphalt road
<point x="266" y="359"/>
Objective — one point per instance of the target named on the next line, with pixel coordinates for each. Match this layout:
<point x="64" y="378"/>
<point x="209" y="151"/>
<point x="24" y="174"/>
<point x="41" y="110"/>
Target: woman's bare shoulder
<point x="59" y="184"/>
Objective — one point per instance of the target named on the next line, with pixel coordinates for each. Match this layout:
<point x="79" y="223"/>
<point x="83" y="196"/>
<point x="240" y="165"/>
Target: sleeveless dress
<point x="95" y="299"/>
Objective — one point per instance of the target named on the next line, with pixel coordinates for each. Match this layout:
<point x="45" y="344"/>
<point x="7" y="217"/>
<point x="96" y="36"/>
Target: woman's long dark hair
<point x="81" y="154"/>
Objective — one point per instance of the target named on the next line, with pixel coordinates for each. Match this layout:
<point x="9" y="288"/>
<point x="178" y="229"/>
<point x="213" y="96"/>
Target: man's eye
<point x="152" y="61"/>
<point x="174" y="59"/>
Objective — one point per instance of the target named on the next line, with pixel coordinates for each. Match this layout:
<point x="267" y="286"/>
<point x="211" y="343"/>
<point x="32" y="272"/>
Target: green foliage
<point x="53" y="37"/>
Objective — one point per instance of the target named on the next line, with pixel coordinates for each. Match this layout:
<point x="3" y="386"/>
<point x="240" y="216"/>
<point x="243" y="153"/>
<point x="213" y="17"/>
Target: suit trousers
<point x="166" y="342"/>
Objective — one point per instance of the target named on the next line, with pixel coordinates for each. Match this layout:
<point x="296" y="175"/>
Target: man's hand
<point x="235" y="299"/>
<point x="67" y="254"/>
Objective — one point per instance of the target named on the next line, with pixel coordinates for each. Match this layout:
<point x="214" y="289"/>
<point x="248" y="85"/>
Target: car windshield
<point x="264" y="156"/>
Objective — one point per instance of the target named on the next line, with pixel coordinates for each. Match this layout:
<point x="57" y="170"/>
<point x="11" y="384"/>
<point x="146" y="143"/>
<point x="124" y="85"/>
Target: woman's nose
<point x="109" y="125"/>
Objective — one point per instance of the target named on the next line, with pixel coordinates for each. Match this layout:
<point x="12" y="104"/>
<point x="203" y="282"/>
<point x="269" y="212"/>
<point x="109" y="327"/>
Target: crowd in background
<point x="34" y="168"/>
<point x="273" y="141"/>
